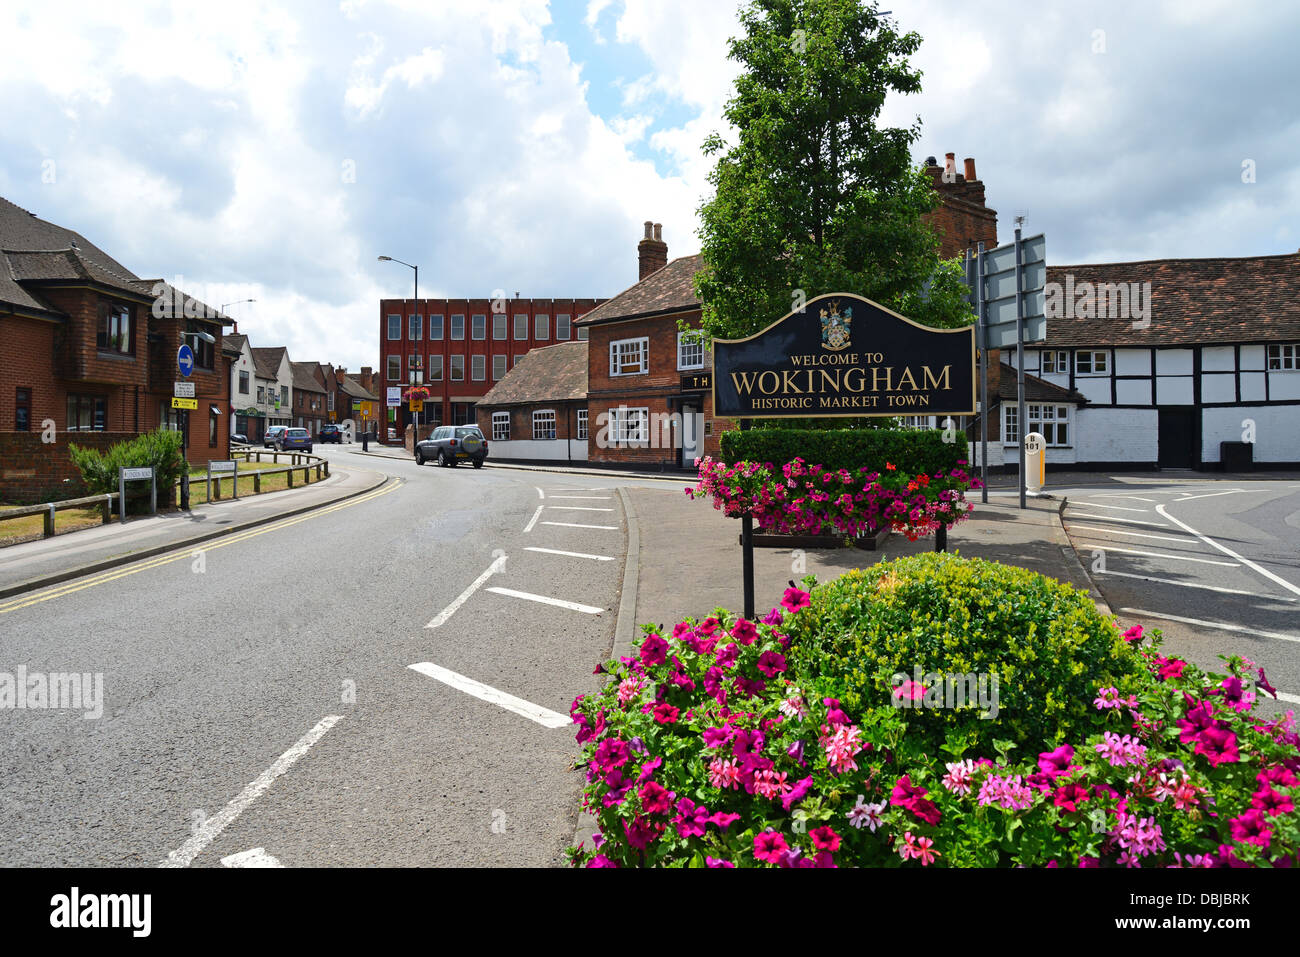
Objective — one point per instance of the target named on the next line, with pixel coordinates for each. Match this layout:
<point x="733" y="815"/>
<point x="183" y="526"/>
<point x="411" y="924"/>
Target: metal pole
<point x="747" y="549"/>
<point x="185" y="461"/>
<point x="984" y="372"/>
<point x="1022" y="425"/>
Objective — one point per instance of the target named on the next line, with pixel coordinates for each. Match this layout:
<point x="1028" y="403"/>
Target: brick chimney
<point x="963" y="217"/>
<point x="652" y="251"/>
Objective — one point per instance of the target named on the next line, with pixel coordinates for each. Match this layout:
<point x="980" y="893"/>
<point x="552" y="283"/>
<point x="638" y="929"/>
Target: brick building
<point x="538" y="411"/>
<point x="88" y="354"/>
<point x="460" y="348"/>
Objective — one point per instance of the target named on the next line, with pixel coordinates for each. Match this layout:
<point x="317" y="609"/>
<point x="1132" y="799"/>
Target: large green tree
<point x="815" y="196"/>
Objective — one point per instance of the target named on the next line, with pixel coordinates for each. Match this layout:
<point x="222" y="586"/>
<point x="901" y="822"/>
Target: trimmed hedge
<point x="160" y="449"/>
<point x="911" y="451"/>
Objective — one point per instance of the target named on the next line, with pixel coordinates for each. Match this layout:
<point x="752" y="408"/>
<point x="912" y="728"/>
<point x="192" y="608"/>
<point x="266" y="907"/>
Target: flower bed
<point x="718" y="745"/>
<point x="802" y="498"/>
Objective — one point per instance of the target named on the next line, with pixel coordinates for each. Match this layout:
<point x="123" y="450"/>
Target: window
<point x="394" y="368"/>
<point x="87" y="413"/>
<point x="394" y="327"/>
<point x="1051" y="421"/>
<point x="462" y="413"/>
<point x="478" y="327"/>
<point x="23" y="410"/>
<point x="521" y="326"/>
<point x="562" y="326"/>
<point x="1054" y="361"/>
<point x="498" y="367"/>
<point x="204" y="352"/>
<point x="416" y="328"/>
<point x="916" y="422"/>
<point x="435" y="328"/>
<point x="261" y="395"/>
<point x="457" y="368"/>
<point x="435" y="368"/>
<point x="690" y="350"/>
<point x="415" y="361"/>
<point x="500" y="426"/>
<point x="629" y="426"/>
<point x="458" y="326"/>
<point x="329" y="401"/>
<point x="544" y="424"/>
<point x="499" y="325"/>
<point x="1284" y="357"/>
<point x="582" y="423"/>
<point x="583" y="332"/>
<point x="629" y="356"/>
<point x="284" y="396"/>
<point x="243" y="382"/>
<point x="542" y="325"/>
<point x="1010" y="423"/>
<point x="478" y="368"/>
<point x="114" y="334"/>
<point x="1091" y="363"/>
<point x="212" y="429"/>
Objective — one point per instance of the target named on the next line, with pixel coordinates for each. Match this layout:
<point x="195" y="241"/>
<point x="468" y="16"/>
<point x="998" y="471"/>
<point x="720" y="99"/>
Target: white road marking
<point x="1233" y="491"/>
<point x="543" y="599"/>
<point x="208" y="831"/>
<point x="1112" y="518"/>
<point x="607" y="528"/>
<point x="543" y="716"/>
<point x="1118" y="508"/>
<point x="257" y="857"/>
<point x="1120" y="531"/>
<point x="1221" y="625"/>
<point x="533" y="521"/>
<point x="451" y="609"/>
<point x="1170" y="581"/>
<point x="540" y="493"/>
<point x="1283" y="696"/>
<point x="579" y="508"/>
<point x="1179" y="558"/>
<point x="556" y="551"/>
<point x="1117" y="495"/>
<point x="1294" y="589"/>
<point x="603" y="498"/>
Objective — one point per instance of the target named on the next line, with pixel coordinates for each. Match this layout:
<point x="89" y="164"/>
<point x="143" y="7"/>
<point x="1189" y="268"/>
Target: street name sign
<point x="227" y="465"/>
<point x="135" y="475"/>
<point x="190" y="404"/>
<point x="183" y="390"/>
<point x="842" y="355"/>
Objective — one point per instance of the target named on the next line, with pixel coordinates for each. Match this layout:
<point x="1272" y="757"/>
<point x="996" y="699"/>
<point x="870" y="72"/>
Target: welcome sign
<point x="842" y="355"/>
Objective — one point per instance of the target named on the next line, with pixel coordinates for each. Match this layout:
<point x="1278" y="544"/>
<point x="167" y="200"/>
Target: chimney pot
<point x="970" y="169"/>
<point x="649" y="229"/>
<point x="659" y="232"/>
<point x="931" y="161"/>
<point x="652" y="251"/>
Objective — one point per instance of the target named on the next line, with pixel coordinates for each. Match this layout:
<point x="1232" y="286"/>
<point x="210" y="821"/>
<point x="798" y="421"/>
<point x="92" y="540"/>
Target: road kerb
<point x="1072" y="557"/>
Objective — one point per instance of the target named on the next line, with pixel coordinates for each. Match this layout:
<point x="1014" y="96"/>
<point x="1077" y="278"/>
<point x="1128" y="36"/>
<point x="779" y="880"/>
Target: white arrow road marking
<point x="257" y="857"/>
<point x="1118" y="508"/>
<point x="1111" y="518"/>
<point x="1119" y="531"/>
<point x="579" y="508"/>
<point x="557" y="602"/>
<point x="556" y="551"/>
<point x="451" y="609"/>
<point x="1215" y="588"/>
<point x="603" y="498"/>
<point x="606" y="528"/>
<point x="1180" y="558"/>
<point x="1220" y="625"/>
<point x="207" y="832"/>
<point x="543" y="716"/>
<point x="1295" y="590"/>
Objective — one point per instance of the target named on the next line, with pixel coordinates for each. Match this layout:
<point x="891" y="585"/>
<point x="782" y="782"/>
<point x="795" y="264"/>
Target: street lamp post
<point x="222" y="310"/>
<point x="390" y="259"/>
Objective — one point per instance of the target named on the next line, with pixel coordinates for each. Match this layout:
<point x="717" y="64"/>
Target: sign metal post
<point x="125" y="475"/>
<point x="1021" y="424"/>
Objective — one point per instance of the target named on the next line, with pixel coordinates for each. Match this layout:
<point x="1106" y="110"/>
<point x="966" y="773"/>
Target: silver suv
<point x="449" y="445"/>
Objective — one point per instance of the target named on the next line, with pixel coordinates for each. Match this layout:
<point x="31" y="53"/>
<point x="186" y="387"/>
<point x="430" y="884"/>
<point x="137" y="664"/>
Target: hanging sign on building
<point x="842" y="355"/>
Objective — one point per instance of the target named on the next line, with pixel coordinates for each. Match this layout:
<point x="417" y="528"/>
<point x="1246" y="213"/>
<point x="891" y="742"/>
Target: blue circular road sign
<point x="185" y="360"/>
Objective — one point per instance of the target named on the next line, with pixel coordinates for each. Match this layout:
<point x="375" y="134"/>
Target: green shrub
<point x="910" y="450"/>
<point x="161" y="450"/>
<point x="940" y="614"/>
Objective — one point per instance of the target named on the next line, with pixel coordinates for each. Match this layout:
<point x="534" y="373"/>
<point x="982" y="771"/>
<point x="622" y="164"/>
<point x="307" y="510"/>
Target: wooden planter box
<point x="869" y="543"/>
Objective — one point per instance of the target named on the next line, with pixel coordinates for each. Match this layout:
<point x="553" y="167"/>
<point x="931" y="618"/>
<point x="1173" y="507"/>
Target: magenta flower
<point x="600" y="860"/>
<point x="1251" y="828"/>
<point x="656" y="799"/>
<point x="1219" y="745"/>
<point x="773" y="617"/>
<point x="1070" y="796"/>
<point x="1056" y="763"/>
<point x="717" y="862"/>
<point x="771" y="663"/>
<point x="1134" y="634"/>
<point x="744" y="631"/>
<point x="1271" y="802"/>
<point x="769" y="846"/>
<point x="654" y="650"/>
<point x="795" y="600"/>
<point x="797" y="793"/>
<point x="723" y="819"/>
<point x="665" y="713"/>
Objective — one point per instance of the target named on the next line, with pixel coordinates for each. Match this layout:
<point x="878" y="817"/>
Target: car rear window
<point x="464" y="433"/>
<point x="297" y="432"/>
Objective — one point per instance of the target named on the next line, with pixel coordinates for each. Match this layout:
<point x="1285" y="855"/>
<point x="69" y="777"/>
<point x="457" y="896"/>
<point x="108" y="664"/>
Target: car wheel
<point x="442" y="459"/>
<point x="419" y="457"/>
<point x="478" y="463"/>
<point x="309" y="449"/>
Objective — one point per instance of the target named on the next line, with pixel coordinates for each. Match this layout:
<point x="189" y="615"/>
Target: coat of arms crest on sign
<point x="835" y="326"/>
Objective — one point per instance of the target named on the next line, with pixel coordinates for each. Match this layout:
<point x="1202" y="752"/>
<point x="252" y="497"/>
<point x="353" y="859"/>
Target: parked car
<point x="239" y="437"/>
<point x="294" y="440"/>
<point x="272" y="436"/>
<point x="449" y="445"/>
<point x="331" y="433"/>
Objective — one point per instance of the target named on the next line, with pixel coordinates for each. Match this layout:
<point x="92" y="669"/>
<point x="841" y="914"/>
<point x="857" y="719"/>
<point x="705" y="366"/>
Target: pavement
<point x="31" y="565"/>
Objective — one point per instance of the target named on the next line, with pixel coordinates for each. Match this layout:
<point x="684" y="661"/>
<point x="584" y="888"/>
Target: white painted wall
<point x="1218" y="359"/>
<point x="1284" y="385"/>
<point x="1277" y="434"/>
<point x="552" y="450"/>
<point x="1173" y="390"/>
<point x="1173" y="362"/>
<point x="1132" y="362"/>
<point x="1219" y="387"/>
<point x="1116" y="435"/>
<point x="1096" y="389"/>
<point x="1133" y="391"/>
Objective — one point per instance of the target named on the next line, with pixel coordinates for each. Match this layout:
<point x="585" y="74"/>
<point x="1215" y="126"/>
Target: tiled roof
<point x="1036" y="389"/>
<point x="178" y="300"/>
<point x="20" y="229"/>
<point x="266" y="361"/>
<point x="1193" y="301"/>
<point x="303" y="378"/>
<point x="670" y="289"/>
<point x="236" y="339"/>
<point x="354" y="389"/>
<point x="551" y="374"/>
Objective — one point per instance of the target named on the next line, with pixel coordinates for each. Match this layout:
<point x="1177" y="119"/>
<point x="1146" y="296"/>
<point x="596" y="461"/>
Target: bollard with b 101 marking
<point x="125" y="475"/>
<point x="1035" y="463"/>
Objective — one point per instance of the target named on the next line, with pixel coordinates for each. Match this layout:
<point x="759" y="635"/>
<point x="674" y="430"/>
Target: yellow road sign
<point x="191" y="404"/>
<point x="417" y="405"/>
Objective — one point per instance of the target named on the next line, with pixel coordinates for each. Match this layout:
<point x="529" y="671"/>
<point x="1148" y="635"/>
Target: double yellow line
<point x="76" y="585"/>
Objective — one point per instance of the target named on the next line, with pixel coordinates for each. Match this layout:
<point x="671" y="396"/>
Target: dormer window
<point x="114" y="332"/>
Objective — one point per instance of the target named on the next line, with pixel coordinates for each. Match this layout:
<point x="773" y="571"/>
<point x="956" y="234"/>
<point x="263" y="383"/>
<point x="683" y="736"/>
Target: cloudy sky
<point x="275" y="148"/>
